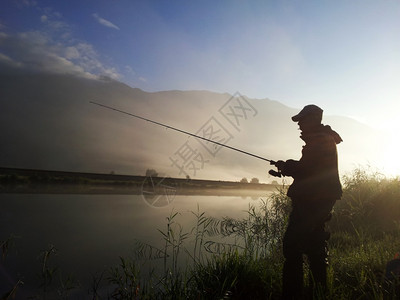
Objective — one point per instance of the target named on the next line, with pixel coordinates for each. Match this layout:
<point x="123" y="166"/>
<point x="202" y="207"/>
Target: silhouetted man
<point x="314" y="191"/>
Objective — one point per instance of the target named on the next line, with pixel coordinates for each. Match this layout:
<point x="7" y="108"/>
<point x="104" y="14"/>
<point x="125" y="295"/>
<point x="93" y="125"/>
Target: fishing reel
<point x="273" y="172"/>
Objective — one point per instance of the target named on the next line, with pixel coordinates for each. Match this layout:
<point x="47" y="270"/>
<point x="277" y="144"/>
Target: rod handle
<point x="275" y="173"/>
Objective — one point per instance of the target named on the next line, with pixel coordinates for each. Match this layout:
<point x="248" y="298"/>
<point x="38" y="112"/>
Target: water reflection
<point x="91" y="231"/>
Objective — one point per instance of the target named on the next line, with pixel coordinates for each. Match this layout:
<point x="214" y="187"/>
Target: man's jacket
<point x="316" y="174"/>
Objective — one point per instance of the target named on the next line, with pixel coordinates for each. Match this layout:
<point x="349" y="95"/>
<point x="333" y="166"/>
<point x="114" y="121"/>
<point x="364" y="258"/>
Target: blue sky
<point x="341" y="55"/>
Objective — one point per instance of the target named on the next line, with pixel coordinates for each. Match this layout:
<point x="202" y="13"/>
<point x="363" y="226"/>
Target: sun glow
<point x="389" y="160"/>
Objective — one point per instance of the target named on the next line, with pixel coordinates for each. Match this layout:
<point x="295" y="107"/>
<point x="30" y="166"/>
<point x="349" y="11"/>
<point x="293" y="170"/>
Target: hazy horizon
<point x="342" y="56"/>
<point x="52" y="125"/>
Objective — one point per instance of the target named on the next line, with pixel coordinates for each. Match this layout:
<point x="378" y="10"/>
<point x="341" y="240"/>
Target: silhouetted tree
<point x="244" y="180"/>
<point x="255" y="180"/>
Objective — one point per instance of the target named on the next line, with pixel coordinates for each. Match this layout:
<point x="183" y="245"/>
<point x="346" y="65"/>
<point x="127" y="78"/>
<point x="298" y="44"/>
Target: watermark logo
<point x="193" y="155"/>
<point x="214" y="131"/>
<point x="237" y="110"/>
<point x="188" y="159"/>
<point x="158" y="191"/>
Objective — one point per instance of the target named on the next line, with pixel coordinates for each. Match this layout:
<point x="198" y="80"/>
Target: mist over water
<point x="90" y="232"/>
<point x="64" y="132"/>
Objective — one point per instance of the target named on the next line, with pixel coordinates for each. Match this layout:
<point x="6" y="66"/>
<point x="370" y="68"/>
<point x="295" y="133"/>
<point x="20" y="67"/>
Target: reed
<point x="246" y="261"/>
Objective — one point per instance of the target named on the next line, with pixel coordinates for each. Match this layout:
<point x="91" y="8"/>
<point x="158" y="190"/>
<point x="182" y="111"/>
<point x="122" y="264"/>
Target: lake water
<point x="90" y="232"/>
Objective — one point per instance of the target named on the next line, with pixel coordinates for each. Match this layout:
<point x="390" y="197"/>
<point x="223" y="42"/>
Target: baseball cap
<point x="309" y="111"/>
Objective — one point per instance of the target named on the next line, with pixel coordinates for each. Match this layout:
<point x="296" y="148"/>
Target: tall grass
<point x="242" y="258"/>
<point x="365" y="236"/>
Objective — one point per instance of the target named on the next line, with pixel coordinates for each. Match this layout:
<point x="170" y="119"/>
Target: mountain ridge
<point x="50" y="124"/>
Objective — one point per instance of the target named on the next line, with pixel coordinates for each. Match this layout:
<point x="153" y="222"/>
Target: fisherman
<point x="314" y="191"/>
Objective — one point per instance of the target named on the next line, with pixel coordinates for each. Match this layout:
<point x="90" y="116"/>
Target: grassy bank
<point x="32" y="181"/>
<point x="242" y="259"/>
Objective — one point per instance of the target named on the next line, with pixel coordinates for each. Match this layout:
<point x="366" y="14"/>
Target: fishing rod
<point x="274" y="173"/>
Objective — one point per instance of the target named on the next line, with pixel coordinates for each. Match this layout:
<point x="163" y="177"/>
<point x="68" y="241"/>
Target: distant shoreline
<point x="32" y="181"/>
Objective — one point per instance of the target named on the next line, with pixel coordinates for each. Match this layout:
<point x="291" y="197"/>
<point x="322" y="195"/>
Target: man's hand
<point x="280" y="164"/>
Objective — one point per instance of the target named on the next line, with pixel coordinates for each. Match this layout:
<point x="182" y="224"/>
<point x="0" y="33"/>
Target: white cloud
<point x="105" y="22"/>
<point x="112" y="73"/>
<point x="54" y="49"/>
<point x="54" y="23"/>
<point x="37" y="51"/>
<point x="72" y="53"/>
<point x="8" y="61"/>
<point x="129" y="70"/>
